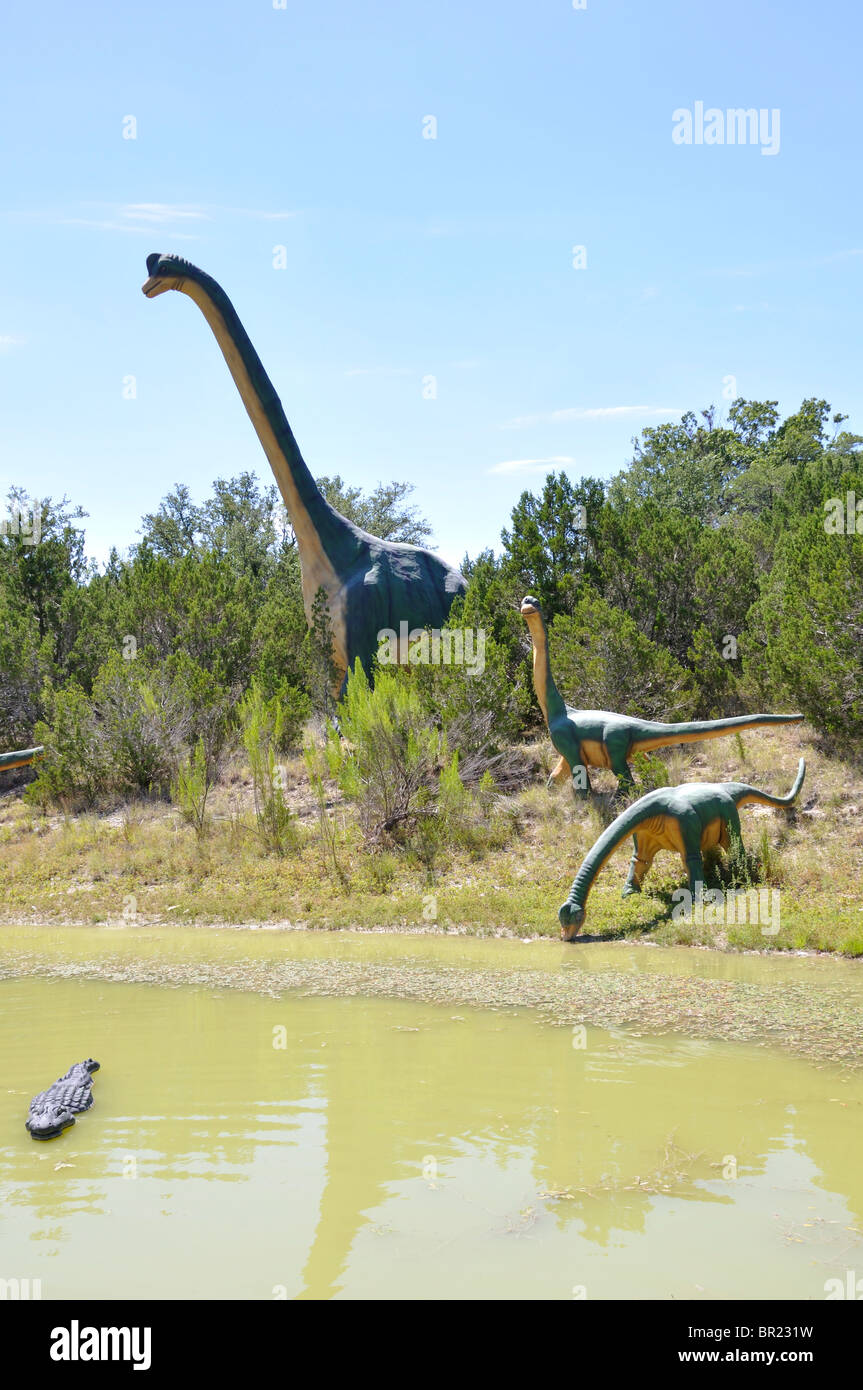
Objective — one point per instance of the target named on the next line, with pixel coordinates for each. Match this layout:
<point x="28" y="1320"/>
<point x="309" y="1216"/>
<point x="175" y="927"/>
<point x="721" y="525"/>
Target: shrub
<point x="296" y="708"/>
<point x="262" y="723"/>
<point x="394" y="764"/>
<point x="127" y="737"/>
<point x="73" y="769"/>
<point x="192" y="787"/>
<point x="143" y="722"/>
<point x="389" y="762"/>
<point x="24" y="665"/>
<point x="316" y="765"/>
<point x="650" y="771"/>
<point x="480" y="715"/>
<point x="210" y="707"/>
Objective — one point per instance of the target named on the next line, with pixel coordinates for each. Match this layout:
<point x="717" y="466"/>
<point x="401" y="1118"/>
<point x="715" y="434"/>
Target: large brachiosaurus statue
<point x="687" y="819"/>
<point x="370" y="584"/>
<point x="597" y="738"/>
<point x="22" y="759"/>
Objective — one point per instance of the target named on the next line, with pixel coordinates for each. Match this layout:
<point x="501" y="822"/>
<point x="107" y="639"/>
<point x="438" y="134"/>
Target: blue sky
<point x="408" y="257"/>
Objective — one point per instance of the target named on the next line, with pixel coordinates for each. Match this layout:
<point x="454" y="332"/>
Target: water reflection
<point x="316" y="1147"/>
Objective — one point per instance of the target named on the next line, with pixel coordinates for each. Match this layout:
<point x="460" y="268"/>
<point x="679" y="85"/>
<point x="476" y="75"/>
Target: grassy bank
<point x="142" y="863"/>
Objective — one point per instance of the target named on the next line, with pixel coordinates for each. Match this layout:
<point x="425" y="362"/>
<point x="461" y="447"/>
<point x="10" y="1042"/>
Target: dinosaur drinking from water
<point x="597" y="738"/>
<point x="371" y="585"/>
<point x="687" y="819"/>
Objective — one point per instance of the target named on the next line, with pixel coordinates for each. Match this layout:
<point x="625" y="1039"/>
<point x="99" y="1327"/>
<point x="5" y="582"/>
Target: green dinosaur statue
<point x="22" y="759"/>
<point x="687" y="819"/>
<point x="597" y="738"/>
<point x="371" y="585"/>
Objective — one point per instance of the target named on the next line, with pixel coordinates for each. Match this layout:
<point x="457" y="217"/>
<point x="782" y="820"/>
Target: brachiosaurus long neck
<point x="326" y="541"/>
<point x="620" y="829"/>
<point x="550" y="700"/>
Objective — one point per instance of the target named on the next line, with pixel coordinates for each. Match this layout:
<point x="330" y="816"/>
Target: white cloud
<point x="145" y="218"/>
<point x="601" y="412"/>
<point x="173" y="212"/>
<point x="510" y="466"/>
<point x="121" y="227"/>
<point x="160" y="212"/>
<point x="7" y="340"/>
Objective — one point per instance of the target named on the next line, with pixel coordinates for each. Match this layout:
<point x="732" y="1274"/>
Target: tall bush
<point x="262" y="724"/>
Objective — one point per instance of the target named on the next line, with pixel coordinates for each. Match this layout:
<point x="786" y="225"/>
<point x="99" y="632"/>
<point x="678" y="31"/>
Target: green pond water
<point x="382" y="947"/>
<point x="245" y="1146"/>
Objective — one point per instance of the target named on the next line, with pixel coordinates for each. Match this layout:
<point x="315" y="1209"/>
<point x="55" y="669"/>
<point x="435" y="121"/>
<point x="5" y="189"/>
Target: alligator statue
<point x="371" y="585"/>
<point x="22" y="759"/>
<point x="687" y="819"/>
<point x="597" y="738"/>
<point x="54" y="1110"/>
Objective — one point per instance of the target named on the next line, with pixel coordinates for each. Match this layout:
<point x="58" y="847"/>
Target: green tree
<point x="691" y="466"/>
<point x="804" y="636"/>
<point x="25" y="663"/>
<point x="279" y="652"/>
<point x="603" y="661"/>
<point x="174" y="530"/>
<point x="550" y="546"/>
<point x="382" y="512"/>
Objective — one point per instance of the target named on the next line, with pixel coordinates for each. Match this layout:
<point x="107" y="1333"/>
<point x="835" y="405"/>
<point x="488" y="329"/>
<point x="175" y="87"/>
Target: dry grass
<point x="142" y="861"/>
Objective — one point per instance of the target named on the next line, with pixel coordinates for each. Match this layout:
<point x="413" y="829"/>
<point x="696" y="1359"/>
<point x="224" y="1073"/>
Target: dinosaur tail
<point x="751" y="796"/>
<point x="663" y="735"/>
<point x="22" y="759"/>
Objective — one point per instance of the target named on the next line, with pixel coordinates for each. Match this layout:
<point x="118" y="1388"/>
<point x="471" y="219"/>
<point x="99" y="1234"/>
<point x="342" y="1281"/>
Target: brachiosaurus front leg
<point x="618" y="750"/>
<point x="730" y="828"/>
<point x="567" y="745"/>
<point x="642" y="858"/>
<point x="581" y="787"/>
<point x="690" y="833"/>
<point x="694" y="870"/>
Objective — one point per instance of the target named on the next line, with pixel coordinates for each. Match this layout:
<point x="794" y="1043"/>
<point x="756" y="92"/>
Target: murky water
<point x="263" y="943"/>
<point x="251" y="1147"/>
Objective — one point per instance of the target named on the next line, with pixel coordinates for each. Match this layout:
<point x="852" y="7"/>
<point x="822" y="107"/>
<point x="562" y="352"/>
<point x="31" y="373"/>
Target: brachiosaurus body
<point x="371" y="585"/>
<point x="597" y="738"/>
<point x="22" y="759"/>
<point x="687" y="819"/>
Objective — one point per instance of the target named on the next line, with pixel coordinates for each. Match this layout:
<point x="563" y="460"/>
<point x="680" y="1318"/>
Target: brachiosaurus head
<point x="167" y="273"/>
<point x="531" y="611"/>
<point x="571" y="921"/>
